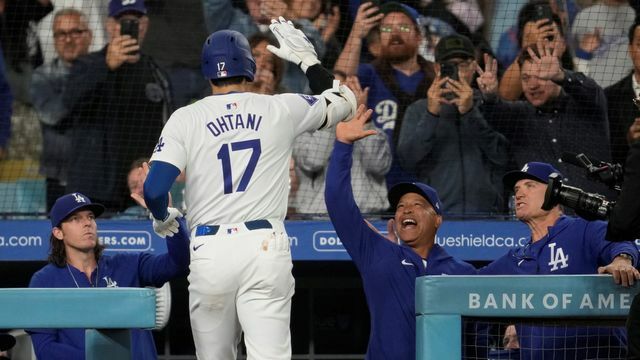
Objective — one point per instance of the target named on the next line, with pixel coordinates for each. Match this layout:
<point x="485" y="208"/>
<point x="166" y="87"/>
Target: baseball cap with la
<point x="429" y="193"/>
<point x="537" y="171"/>
<point x="118" y="7"/>
<point x="71" y="203"/>
<point x="392" y="6"/>
<point x="454" y="46"/>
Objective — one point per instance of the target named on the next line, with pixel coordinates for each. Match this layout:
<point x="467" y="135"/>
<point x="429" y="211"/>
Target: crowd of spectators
<point x="102" y="90"/>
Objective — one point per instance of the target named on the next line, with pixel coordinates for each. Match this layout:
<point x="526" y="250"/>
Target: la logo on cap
<point x="525" y="168"/>
<point x="79" y="198"/>
<point x="128" y="2"/>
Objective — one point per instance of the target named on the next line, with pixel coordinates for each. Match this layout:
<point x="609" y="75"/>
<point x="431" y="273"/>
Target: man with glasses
<point x="562" y="245"/>
<point x="72" y="39"/>
<point x="119" y="99"/>
<point x="397" y="77"/>
<point x="452" y="130"/>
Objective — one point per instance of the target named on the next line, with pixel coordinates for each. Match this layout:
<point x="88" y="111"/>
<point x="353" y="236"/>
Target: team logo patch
<point x="221" y="74"/>
<point x="159" y="146"/>
<point x="310" y="99"/>
<point x="79" y="198"/>
<point x="153" y="92"/>
<point x="232" y="106"/>
<point x="232" y="230"/>
<point x="110" y="282"/>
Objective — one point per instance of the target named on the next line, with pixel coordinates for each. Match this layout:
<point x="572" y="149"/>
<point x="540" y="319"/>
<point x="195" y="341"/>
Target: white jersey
<point x="235" y="150"/>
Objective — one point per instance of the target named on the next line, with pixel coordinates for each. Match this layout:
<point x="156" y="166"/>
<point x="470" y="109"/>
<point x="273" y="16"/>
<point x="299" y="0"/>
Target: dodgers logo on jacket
<point x="557" y="258"/>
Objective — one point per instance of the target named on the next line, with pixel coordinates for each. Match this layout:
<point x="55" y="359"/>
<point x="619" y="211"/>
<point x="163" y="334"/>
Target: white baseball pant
<point x="241" y="280"/>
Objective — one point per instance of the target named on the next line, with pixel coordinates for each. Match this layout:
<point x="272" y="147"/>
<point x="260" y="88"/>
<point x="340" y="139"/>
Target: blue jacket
<point x="388" y="270"/>
<point x="572" y="246"/>
<point x="121" y="270"/>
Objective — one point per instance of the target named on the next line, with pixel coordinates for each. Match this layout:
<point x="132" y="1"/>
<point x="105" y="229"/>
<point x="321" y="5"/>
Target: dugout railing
<point x="108" y="314"/>
<point x="442" y="302"/>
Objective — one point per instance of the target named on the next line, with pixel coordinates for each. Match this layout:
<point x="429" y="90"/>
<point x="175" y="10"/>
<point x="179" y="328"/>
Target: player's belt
<point x="206" y="230"/>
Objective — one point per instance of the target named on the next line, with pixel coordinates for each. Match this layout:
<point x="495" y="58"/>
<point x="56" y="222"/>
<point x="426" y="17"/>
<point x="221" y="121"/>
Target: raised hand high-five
<point x="354" y="130"/>
<point x="548" y="63"/>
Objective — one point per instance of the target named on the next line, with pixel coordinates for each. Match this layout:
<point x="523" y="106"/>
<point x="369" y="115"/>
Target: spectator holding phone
<point x="397" y="77"/>
<point x="536" y="22"/>
<point x="119" y="100"/>
<point x="454" y="131"/>
<point x="564" y="111"/>
<point x="72" y="37"/>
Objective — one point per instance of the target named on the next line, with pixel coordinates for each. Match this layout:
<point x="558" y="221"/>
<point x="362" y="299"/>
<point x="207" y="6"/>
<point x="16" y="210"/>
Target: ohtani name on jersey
<point x="228" y="122"/>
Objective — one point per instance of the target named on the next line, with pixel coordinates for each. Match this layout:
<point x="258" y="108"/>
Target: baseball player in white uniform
<point x="235" y="148"/>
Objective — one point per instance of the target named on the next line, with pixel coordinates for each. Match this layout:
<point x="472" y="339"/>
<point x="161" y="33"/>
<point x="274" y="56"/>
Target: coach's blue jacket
<point x="388" y="270"/>
<point x="572" y="246"/>
<point x="121" y="270"/>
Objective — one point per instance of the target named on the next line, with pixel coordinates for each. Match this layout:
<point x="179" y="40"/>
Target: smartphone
<point x="449" y="70"/>
<point x="542" y="11"/>
<point x="129" y="27"/>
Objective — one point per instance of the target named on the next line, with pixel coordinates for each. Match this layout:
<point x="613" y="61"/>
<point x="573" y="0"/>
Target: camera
<point x="587" y="205"/>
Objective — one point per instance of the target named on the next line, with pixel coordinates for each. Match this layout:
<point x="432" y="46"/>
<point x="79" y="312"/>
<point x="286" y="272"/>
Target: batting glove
<point x="294" y="44"/>
<point x="168" y="226"/>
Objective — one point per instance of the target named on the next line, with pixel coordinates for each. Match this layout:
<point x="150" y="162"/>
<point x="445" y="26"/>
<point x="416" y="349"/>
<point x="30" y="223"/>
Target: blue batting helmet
<point x="225" y="54"/>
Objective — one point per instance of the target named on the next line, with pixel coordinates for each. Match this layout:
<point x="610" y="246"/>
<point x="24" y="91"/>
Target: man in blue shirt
<point x="398" y="77"/>
<point x="76" y="260"/>
<point x="388" y="269"/>
<point x="562" y="245"/>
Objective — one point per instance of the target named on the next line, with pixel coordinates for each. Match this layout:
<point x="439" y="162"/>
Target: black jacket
<point x="621" y="112"/>
<point x="118" y="116"/>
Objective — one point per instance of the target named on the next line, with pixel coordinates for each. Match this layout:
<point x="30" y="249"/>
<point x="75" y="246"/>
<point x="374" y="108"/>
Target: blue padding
<point x="523" y="296"/>
<point x="439" y="337"/>
<point x="107" y="344"/>
<point x="105" y="308"/>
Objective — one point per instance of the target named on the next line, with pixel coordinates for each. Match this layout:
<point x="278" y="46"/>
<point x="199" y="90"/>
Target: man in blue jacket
<point x="388" y="269"/>
<point x="76" y="261"/>
<point x="561" y="245"/>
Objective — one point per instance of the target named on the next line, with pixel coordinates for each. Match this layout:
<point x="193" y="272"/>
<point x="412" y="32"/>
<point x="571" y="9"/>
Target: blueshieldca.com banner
<point x="310" y="240"/>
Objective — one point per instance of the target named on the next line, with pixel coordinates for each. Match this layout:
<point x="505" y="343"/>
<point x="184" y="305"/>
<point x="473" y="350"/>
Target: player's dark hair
<point x="632" y="29"/>
<point x="58" y="255"/>
<point x="235" y="80"/>
<point x="137" y="163"/>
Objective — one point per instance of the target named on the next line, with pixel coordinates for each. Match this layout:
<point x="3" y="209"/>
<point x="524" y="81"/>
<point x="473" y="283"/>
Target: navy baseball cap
<point x="118" y="7"/>
<point x="70" y="203"/>
<point x="425" y="190"/>
<point x="537" y="171"/>
<point x="392" y="6"/>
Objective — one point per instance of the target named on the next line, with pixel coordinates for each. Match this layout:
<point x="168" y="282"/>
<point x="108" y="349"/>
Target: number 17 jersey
<point x="235" y="151"/>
